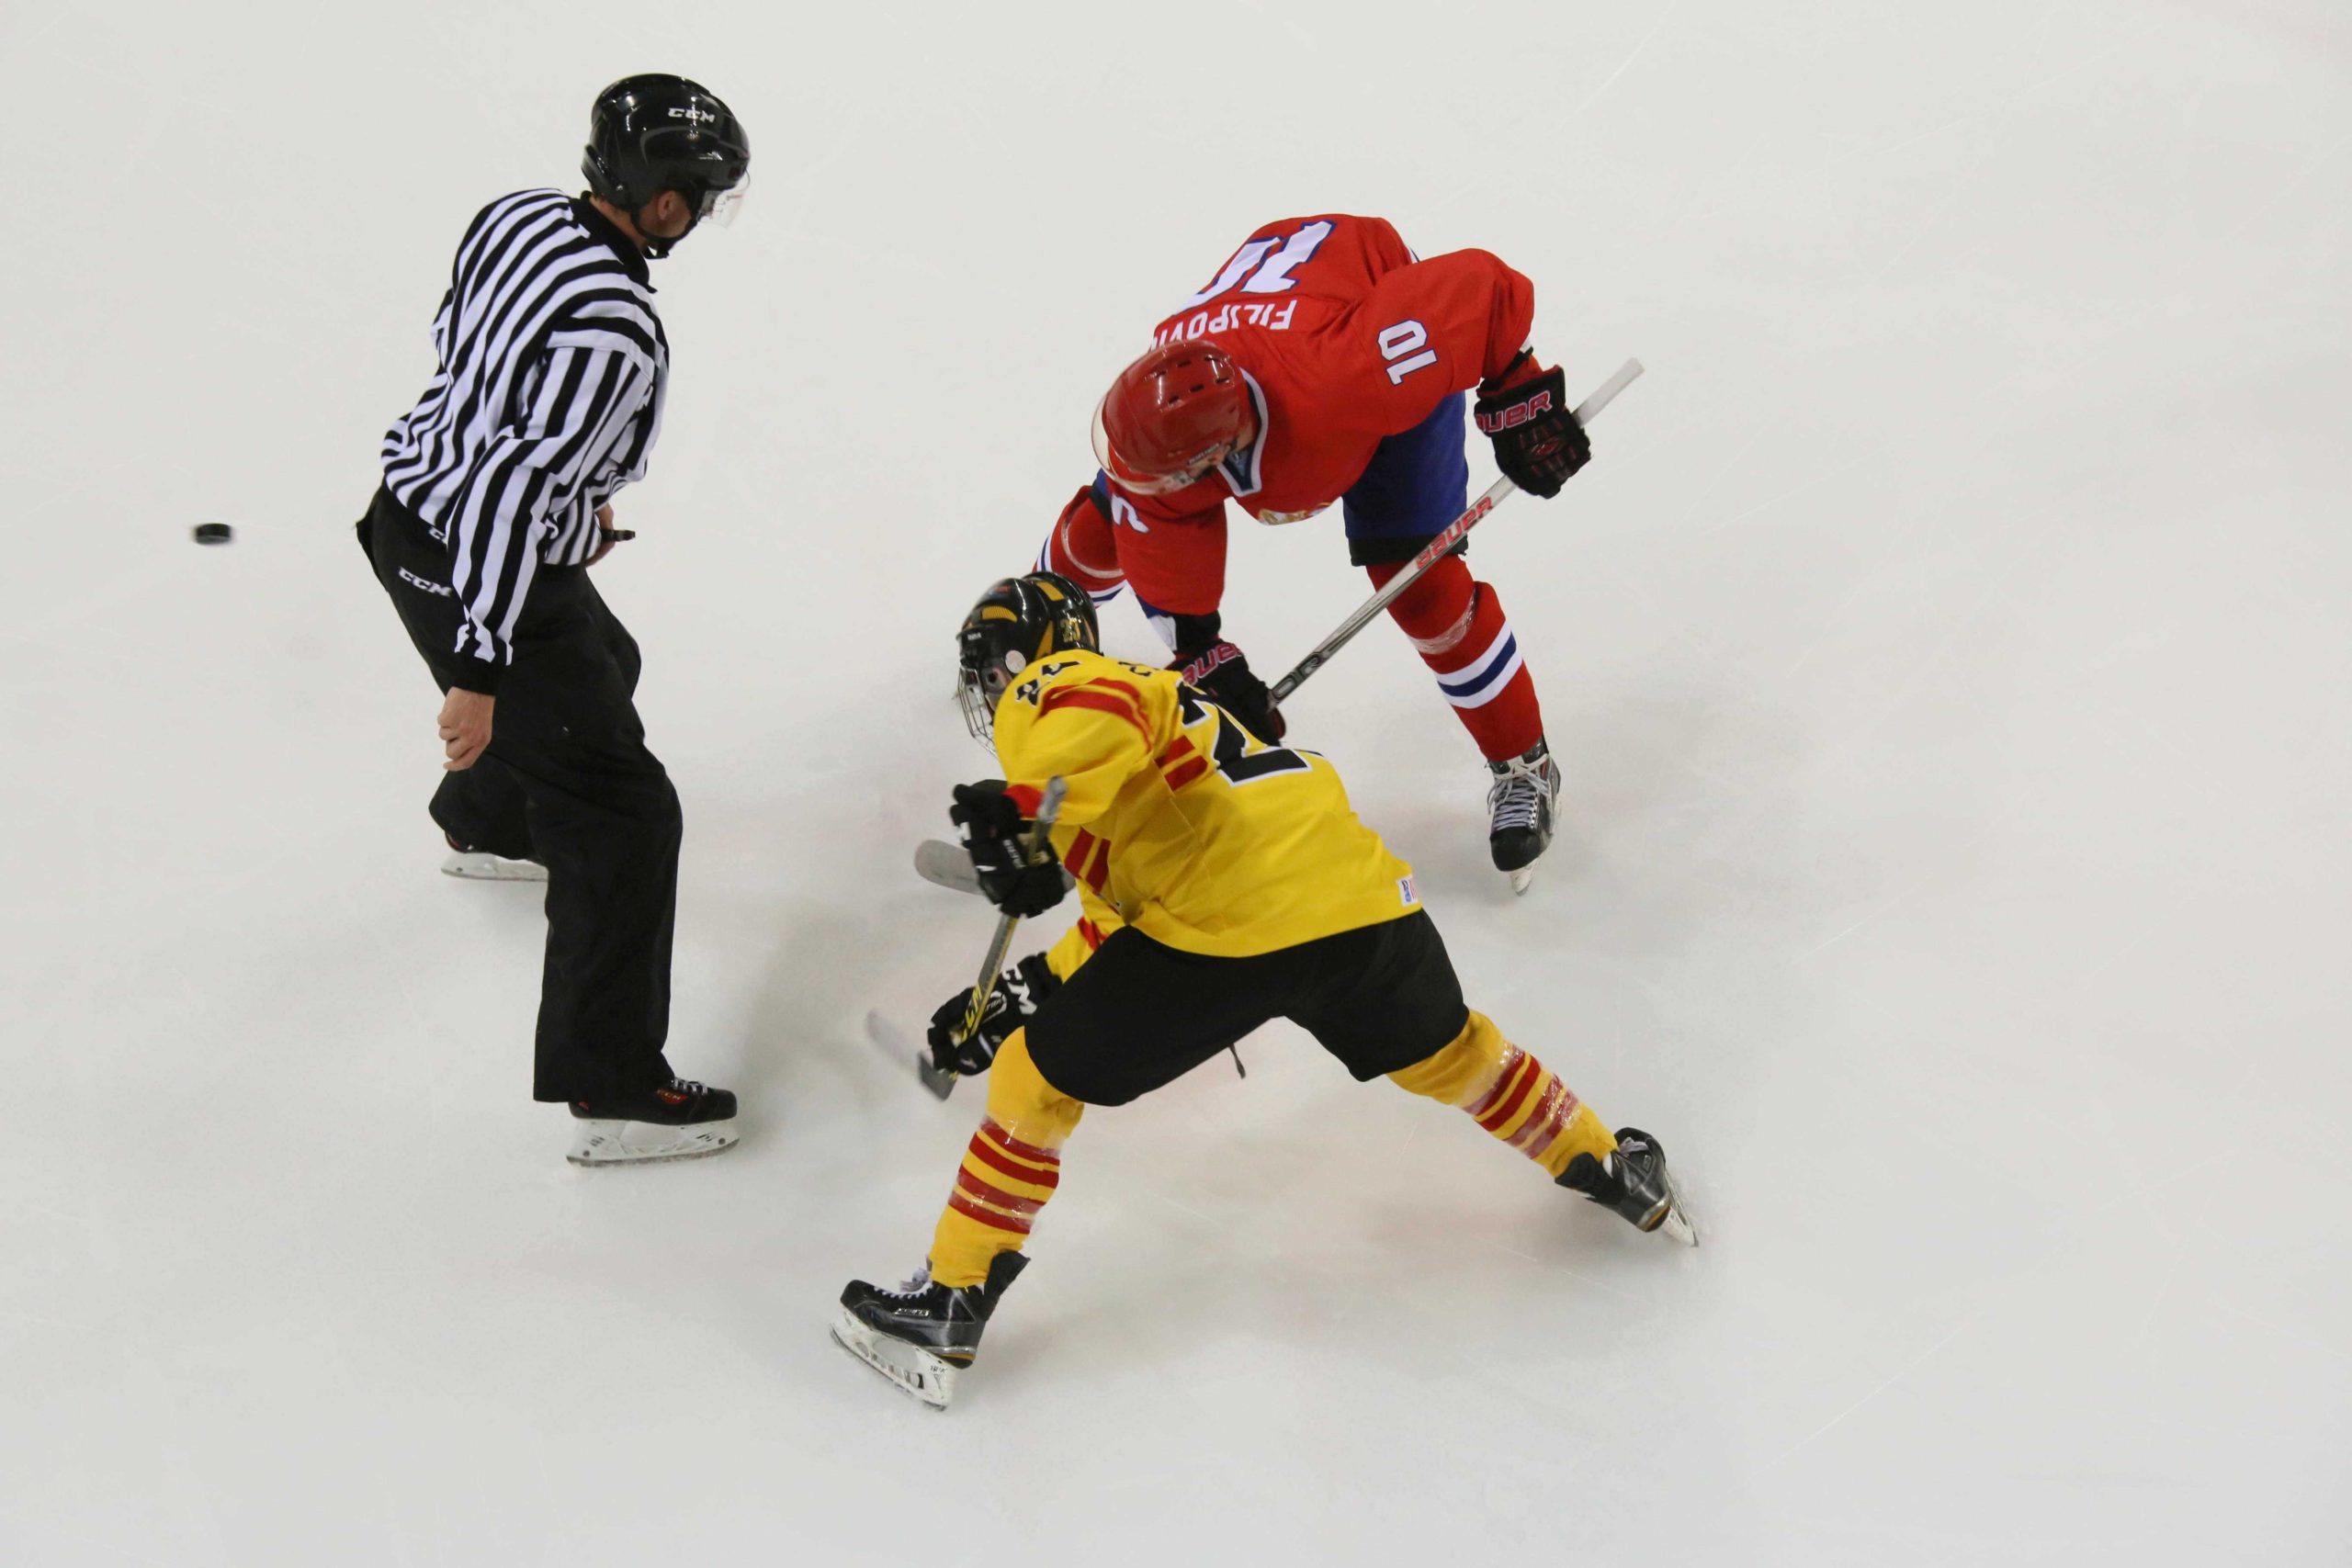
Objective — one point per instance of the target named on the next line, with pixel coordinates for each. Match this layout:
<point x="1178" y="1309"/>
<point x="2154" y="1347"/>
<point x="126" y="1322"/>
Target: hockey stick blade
<point x="900" y="1048"/>
<point x="943" y="865"/>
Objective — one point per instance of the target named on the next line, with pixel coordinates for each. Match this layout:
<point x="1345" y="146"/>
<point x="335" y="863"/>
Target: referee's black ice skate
<point x="921" y="1335"/>
<point x="678" y="1120"/>
<point x="1519" y="812"/>
<point x="1633" y="1182"/>
<point x="487" y="865"/>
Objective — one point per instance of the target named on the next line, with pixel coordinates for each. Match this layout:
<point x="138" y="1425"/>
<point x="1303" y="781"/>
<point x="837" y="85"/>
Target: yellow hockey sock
<point x="1511" y="1095"/>
<point x="1010" y="1168"/>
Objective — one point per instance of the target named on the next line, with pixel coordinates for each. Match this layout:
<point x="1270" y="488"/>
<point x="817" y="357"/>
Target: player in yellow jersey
<point x="1224" y="881"/>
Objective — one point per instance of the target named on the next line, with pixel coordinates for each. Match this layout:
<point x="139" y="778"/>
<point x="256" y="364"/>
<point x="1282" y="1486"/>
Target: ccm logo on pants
<point x="427" y="584"/>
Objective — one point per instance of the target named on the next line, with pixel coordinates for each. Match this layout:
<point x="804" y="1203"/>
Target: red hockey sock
<point x="1457" y="624"/>
<point x="1080" y="547"/>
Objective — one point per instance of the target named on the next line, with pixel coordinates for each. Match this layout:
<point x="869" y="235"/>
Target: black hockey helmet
<point x="656" y="133"/>
<point x="1017" y="622"/>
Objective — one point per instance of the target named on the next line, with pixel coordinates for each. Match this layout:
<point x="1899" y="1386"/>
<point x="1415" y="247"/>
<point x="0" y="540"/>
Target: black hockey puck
<point x="214" y="532"/>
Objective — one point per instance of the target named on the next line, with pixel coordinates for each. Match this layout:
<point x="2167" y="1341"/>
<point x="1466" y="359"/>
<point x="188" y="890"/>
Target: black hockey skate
<point x="678" y="1120"/>
<point x="922" y="1334"/>
<point x="1519" y="812"/>
<point x="1633" y="1182"/>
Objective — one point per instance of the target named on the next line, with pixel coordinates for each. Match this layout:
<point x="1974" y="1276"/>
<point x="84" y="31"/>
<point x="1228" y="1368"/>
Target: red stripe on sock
<point x="1035" y="1176"/>
<point x="1512" y="1056"/>
<point x="995" y="1197"/>
<point x="1523" y="1085"/>
<point x="1018" y="1149"/>
<point x="972" y="1210"/>
<point x="1543" y="1124"/>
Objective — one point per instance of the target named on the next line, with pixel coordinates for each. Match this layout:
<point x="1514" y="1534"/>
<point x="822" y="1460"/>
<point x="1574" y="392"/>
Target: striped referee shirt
<point x="548" y="400"/>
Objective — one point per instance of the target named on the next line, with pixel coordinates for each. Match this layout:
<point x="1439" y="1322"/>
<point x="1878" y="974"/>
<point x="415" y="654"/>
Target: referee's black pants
<point x="566" y="779"/>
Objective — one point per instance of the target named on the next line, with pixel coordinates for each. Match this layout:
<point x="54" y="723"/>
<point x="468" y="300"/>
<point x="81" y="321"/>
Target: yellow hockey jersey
<point x="1181" y="823"/>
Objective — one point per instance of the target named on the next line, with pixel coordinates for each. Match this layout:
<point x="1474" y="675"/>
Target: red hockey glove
<point x="1525" y="411"/>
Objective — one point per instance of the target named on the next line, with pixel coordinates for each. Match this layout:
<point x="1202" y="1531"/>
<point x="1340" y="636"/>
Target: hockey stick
<point x="1437" y="549"/>
<point x="940" y="1080"/>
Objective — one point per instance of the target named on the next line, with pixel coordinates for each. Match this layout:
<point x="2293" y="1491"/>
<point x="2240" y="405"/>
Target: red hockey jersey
<point x="1343" y="338"/>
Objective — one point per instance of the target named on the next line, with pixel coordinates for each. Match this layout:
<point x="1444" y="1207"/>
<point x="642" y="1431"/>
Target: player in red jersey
<point x="1325" y="362"/>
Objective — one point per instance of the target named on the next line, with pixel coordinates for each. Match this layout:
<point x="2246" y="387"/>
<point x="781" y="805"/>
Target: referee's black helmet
<point x="655" y="132"/>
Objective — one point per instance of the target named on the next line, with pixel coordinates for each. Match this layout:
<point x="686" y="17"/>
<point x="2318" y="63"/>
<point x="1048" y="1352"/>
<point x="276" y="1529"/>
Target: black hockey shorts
<point x="1139" y="1014"/>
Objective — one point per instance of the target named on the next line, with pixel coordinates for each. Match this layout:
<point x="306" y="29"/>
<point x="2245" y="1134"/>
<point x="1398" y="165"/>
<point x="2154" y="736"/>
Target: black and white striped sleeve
<point x="580" y="402"/>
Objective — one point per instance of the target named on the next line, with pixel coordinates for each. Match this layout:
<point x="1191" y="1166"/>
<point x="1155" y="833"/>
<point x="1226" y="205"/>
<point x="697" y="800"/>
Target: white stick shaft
<point x="1437" y="549"/>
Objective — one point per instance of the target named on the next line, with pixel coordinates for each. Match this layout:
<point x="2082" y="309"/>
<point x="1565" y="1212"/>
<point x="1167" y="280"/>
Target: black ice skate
<point x="1633" y="1182"/>
<point x="483" y="865"/>
<point x="678" y="1120"/>
<point x="921" y="1335"/>
<point x="1519" y="812"/>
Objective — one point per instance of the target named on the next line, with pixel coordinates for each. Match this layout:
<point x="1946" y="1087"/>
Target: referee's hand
<point x="465" y="726"/>
<point x="608" y="536"/>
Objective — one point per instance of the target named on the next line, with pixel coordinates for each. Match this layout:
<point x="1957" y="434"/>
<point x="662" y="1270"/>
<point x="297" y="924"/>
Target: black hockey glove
<point x="1011" y="1000"/>
<point x="993" y="833"/>
<point x="1538" y="443"/>
<point x="1219" y="671"/>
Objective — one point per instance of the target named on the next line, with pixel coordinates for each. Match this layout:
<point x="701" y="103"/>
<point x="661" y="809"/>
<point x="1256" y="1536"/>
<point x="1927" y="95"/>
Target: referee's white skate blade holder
<point x="914" y="1369"/>
<point x="1522" y="879"/>
<point x="481" y="865"/>
<point x="647" y="1142"/>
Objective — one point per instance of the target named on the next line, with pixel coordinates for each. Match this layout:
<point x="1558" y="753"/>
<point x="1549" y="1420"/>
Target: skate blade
<point x="1676" y="1221"/>
<point x="914" y="1371"/>
<point x="481" y="865"/>
<point x="1522" y="879"/>
<point x="649" y="1143"/>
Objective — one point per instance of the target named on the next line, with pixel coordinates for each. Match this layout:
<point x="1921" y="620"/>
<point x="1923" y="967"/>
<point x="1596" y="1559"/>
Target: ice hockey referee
<point x="495" y="503"/>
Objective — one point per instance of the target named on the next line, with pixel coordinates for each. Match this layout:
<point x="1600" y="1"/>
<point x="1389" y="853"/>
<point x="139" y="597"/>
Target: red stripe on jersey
<point x="1523" y="1085"/>
<point x="1512" y="1056"/>
<point x="1178" y="777"/>
<point x="996" y="1197"/>
<point x="1098" y="876"/>
<point x="1091" y="934"/>
<point x="972" y="1210"/>
<point x="992" y="1130"/>
<point x="988" y="1154"/>
<point x="1100" y="702"/>
<point x="1076" y="859"/>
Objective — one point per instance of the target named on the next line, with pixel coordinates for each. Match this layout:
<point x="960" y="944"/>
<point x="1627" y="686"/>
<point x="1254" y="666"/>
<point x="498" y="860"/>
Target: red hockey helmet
<point x="1170" y="417"/>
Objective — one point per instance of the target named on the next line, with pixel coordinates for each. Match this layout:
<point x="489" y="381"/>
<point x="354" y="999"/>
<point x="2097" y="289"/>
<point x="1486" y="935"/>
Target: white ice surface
<point x="1948" y="647"/>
